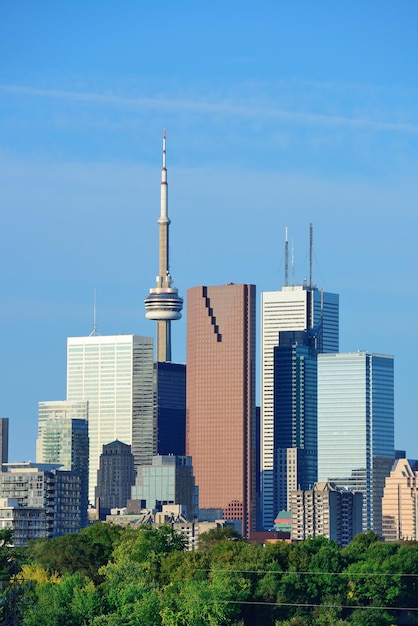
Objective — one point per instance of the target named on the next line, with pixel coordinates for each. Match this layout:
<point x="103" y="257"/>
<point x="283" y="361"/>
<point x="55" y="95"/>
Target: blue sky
<point x="277" y="114"/>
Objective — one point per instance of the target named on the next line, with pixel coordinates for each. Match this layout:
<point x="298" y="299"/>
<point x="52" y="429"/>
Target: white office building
<point x="296" y="307"/>
<point x="115" y="375"/>
<point x="356" y="426"/>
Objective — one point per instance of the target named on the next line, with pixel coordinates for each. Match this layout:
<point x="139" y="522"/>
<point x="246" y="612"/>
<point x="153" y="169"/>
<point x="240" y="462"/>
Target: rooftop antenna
<point x="94" y="332"/>
<point x="310" y="253"/>
<point x="286" y="260"/>
<point x="293" y="264"/>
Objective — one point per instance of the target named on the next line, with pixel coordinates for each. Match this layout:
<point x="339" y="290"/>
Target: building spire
<point x="163" y="303"/>
<point x="94" y="332"/>
<point x="286" y="260"/>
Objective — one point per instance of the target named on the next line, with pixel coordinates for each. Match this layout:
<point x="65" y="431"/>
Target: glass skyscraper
<point x="63" y="439"/>
<point x="115" y="375"/>
<point x="295" y="415"/>
<point x="170" y="407"/>
<point x="296" y="308"/>
<point x="356" y="426"/>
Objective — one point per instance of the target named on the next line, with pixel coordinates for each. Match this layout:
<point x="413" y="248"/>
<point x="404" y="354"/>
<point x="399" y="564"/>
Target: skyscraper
<point x="295" y="415"/>
<point x="115" y="477"/>
<point x="63" y="439"/>
<point x="115" y="375"/>
<point x="163" y="303"/>
<point x="170" y="407"/>
<point x="220" y="414"/>
<point x="356" y="426"/>
<point x="294" y="308"/>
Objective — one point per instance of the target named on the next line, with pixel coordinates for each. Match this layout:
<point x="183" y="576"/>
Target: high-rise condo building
<point x="63" y="439"/>
<point x="294" y="308"/>
<point x="44" y="487"/>
<point x="27" y="523"/>
<point x="115" y="375"/>
<point x="221" y="414"/>
<point x="400" y="503"/>
<point x="328" y="511"/>
<point x="164" y="303"/>
<point x="356" y="426"/>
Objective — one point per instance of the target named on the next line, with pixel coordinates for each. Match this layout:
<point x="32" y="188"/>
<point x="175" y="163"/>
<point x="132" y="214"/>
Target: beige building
<point x="399" y="503"/>
<point x="327" y="511"/>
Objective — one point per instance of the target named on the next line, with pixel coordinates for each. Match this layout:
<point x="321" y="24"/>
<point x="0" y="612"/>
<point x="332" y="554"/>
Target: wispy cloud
<point x="225" y="107"/>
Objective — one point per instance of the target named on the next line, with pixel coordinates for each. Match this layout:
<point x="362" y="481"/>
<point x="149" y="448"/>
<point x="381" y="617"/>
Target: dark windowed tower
<point x="115" y="477"/>
<point x="4" y="440"/>
<point x="295" y="414"/>
<point x="170" y="407"/>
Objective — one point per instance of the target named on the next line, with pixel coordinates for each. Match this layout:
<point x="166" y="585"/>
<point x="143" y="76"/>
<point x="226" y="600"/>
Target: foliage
<point x="83" y="553"/>
<point x="220" y="533"/>
<point x="145" y="576"/>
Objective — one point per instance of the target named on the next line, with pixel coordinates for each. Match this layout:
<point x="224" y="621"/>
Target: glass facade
<point x="220" y="414"/>
<point x="356" y="426"/>
<point x="170" y="407"/>
<point x="295" y="417"/>
<point x="169" y="480"/>
<point x="294" y="308"/>
<point x="115" y="375"/>
<point x="63" y="439"/>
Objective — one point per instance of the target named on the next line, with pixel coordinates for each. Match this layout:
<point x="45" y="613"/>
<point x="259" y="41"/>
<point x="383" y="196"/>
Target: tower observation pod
<point x="163" y="303"/>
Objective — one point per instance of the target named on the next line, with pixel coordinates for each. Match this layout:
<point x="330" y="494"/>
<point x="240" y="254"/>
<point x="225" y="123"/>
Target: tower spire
<point x="163" y="303"/>
<point x="310" y="254"/>
<point x="286" y="260"/>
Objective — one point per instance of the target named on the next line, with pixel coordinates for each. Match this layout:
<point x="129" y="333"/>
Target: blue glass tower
<point x="356" y="426"/>
<point x="295" y="413"/>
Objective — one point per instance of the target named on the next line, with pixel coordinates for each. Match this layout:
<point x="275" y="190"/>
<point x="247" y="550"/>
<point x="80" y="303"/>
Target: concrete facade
<point x="400" y="503"/>
<point x="326" y="511"/>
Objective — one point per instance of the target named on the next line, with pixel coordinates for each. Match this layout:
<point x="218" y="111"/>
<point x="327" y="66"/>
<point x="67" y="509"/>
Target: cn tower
<point x="163" y="303"/>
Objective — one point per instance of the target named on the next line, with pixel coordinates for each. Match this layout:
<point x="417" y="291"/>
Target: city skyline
<point x="307" y="116"/>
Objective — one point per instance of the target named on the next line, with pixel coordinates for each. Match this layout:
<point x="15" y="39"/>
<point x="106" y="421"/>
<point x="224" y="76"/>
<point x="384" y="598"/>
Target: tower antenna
<point x="163" y="303"/>
<point x="293" y="264"/>
<point x="286" y="260"/>
<point x="310" y="253"/>
<point x="94" y="332"/>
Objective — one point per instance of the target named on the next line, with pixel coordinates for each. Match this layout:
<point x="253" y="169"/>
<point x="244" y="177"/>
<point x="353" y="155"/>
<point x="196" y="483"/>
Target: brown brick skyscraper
<point x="221" y="428"/>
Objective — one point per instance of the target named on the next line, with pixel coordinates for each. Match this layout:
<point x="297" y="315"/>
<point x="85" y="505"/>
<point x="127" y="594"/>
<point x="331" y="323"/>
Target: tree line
<point x="111" y="576"/>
